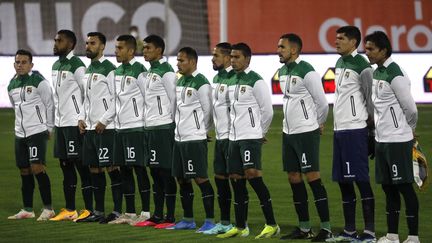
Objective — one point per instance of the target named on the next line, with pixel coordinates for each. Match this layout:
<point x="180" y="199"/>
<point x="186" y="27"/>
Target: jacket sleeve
<point x="48" y="101"/>
<point x="79" y="75"/>
<point x="314" y="86"/>
<point x="109" y="114"/>
<point x="169" y="80"/>
<point x="366" y="78"/>
<point x="205" y="98"/>
<point x="264" y="100"/>
<point x="402" y="89"/>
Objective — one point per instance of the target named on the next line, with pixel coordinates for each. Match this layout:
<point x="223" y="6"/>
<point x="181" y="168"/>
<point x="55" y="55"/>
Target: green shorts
<point x="300" y="152"/>
<point x="159" y="147"/>
<point x="98" y="148"/>
<point x="243" y="155"/>
<point x="31" y="150"/>
<point x="220" y="161"/>
<point x="393" y="163"/>
<point x="190" y="159"/>
<point x="129" y="147"/>
<point x="67" y="143"/>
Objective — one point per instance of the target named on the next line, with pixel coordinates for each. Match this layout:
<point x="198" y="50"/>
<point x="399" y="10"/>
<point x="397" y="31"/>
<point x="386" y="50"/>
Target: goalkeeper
<point x="395" y="116"/>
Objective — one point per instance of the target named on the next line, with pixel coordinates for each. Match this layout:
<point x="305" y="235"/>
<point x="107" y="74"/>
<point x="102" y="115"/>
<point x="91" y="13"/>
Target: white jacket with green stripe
<point x="194" y="108"/>
<point x="158" y="87"/>
<point x="221" y="102"/>
<point x="353" y="82"/>
<point x="67" y="76"/>
<point x="251" y="106"/>
<point x="99" y="94"/>
<point x="32" y="99"/>
<point x="129" y="100"/>
<point x="305" y="106"/>
<point x="395" y="110"/>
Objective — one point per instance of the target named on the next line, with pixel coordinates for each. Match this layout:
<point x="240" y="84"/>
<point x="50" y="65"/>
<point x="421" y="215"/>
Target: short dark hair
<point x="133" y="27"/>
<point x="69" y="35"/>
<point x="99" y="35"/>
<point x="25" y="53"/>
<point x="381" y="40"/>
<point x="190" y="53"/>
<point x="225" y="48"/>
<point x="293" y="38"/>
<point x="352" y="32"/>
<point x="130" y="41"/>
<point x="157" y="41"/>
<point x="244" y="48"/>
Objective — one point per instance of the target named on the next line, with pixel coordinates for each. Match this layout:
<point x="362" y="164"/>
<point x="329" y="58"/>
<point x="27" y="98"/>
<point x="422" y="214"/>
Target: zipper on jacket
<point x="135" y="107"/>
<point x="394" y="117"/>
<point x="304" y="109"/>
<point x="177" y="125"/>
<point x="196" y="119"/>
<point x="22" y="114"/>
<point x="233" y="106"/>
<point x="105" y="104"/>
<point x="251" y="117"/>
<point x="353" y="110"/>
<point x="159" y="104"/>
<point x="39" y="114"/>
<point x="75" y="104"/>
<point x="56" y="93"/>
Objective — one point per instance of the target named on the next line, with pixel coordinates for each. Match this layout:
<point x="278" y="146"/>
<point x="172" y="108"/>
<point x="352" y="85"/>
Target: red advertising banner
<point x="260" y="23"/>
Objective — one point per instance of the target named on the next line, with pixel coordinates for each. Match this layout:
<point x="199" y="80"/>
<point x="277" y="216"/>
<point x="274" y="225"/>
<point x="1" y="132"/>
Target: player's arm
<point x="79" y="77"/>
<point x="402" y="89"/>
<point x="366" y="79"/>
<point x="205" y="98"/>
<point x="48" y="101"/>
<point x="314" y="86"/>
<point x="109" y="114"/>
<point x="264" y="100"/>
<point x="169" y="80"/>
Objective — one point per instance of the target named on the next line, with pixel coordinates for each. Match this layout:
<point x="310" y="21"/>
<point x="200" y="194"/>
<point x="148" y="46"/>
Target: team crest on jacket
<point x="242" y="89"/>
<point x="347" y="74"/>
<point x="154" y="78"/>
<point x="29" y="90"/>
<point x="380" y="85"/>
<point x="63" y="75"/>
<point x="294" y="81"/>
<point x="189" y="93"/>
<point x="128" y="80"/>
<point x="95" y="77"/>
<point x="221" y="89"/>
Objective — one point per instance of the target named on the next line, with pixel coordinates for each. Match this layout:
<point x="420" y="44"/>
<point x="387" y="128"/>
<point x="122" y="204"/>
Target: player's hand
<point x="49" y="135"/>
<point x="321" y="129"/>
<point x="100" y="127"/>
<point x="264" y="140"/>
<point x="209" y="138"/>
<point x="82" y="126"/>
<point x="371" y="146"/>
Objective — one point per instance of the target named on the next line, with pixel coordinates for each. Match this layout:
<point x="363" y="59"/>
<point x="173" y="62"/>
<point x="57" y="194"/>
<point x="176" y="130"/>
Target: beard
<point x="90" y="54"/>
<point x="217" y="68"/>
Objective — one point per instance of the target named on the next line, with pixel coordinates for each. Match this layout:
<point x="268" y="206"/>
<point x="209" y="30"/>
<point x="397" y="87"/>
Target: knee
<point x="200" y="180"/>
<point x="313" y="176"/>
<point x="294" y="177"/>
<point x="25" y="171"/>
<point x="252" y="173"/>
<point x="37" y="168"/>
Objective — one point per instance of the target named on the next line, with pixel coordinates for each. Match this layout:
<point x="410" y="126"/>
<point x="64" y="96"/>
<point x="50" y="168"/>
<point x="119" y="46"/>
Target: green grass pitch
<point x="276" y="180"/>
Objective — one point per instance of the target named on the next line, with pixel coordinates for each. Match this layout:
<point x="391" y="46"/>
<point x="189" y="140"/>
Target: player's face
<point x="94" y="47"/>
<point x="344" y="45"/>
<point x="218" y="59"/>
<point x="238" y="61"/>
<point x="284" y="51"/>
<point x="121" y="51"/>
<point x="374" y="54"/>
<point x="22" y="64"/>
<point x="62" y="45"/>
<point x="184" y="64"/>
<point x="150" y="52"/>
